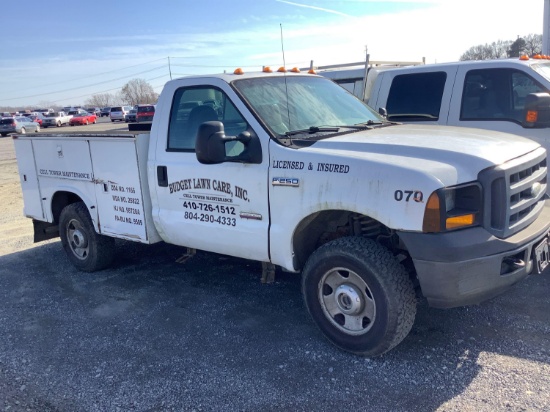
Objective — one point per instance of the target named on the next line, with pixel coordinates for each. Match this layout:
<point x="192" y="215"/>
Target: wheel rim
<point x="23" y="131"/>
<point x="347" y="301"/>
<point x="78" y="241"/>
<point x="37" y="128"/>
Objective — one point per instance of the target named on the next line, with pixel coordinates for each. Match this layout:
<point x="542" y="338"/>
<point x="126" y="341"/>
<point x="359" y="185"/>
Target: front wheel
<point x="86" y="249"/>
<point x="58" y="124"/>
<point x="359" y="295"/>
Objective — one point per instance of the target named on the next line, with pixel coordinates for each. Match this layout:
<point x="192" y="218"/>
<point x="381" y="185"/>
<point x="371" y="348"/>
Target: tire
<point x="23" y="131"/>
<point x="58" y="124"/>
<point x="4" y="134"/>
<point x="37" y="129"/>
<point x="85" y="123"/>
<point x="72" y="124"/>
<point x="86" y="249"/>
<point x="359" y="295"/>
<point x="112" y="120"/>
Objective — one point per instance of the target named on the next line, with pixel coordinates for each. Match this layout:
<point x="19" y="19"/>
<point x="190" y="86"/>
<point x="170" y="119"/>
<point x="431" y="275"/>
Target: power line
<point x="98" y="74"/>
<point x="83" y="87"/>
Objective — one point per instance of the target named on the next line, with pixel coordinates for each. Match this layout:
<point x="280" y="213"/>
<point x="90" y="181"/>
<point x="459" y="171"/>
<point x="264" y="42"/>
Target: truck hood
<point x="452" y="154"/>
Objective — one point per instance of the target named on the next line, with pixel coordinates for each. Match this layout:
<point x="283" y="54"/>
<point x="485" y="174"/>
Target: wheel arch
<point x="60" y="200"/>
<point x="321" y="227"/>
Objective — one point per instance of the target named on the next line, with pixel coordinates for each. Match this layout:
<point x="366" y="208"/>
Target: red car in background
<point x="83" y="119"/>
<point x="145" y="113"/>
<point x="37" y="118"/>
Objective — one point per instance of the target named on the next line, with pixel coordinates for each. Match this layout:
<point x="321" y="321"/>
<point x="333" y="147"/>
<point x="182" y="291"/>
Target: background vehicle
<point x="485" y="94"/>
<point x="131" y="116"/>
<point x="77" y="112"/>
<point x="118" y="112"/>
<point x="83" y="119"/>
<point x="37" y="117"/>
<point x="94" y="110"/>
<point x="106" y="111"/>
<point x="19" y="124"/>
<point x="365" y="208"/>
<point x="56" y="119"/>
<point x="145" y="113"/>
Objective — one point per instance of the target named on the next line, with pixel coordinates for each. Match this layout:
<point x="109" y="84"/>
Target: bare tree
<point x="530" y="44"/>
<point x="138" y="91"/>
<point x="101" y="100"/>
<point x="533" y="44"/>
<point x="495" y="50"/>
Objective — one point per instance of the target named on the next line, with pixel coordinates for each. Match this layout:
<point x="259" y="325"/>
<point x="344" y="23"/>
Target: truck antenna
<point x="284" y="73"/>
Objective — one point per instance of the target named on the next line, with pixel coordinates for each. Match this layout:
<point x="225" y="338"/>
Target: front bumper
<point x="469" y="266"/>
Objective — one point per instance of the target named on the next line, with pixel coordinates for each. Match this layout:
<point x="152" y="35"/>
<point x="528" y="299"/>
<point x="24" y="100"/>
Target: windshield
<point x="543" y="69"/>
<point x="303" y="102"/>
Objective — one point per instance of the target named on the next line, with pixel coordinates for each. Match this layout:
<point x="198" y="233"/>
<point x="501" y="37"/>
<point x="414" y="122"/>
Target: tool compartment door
<point x="29" y="179"/>
<point x="118" y="189"/>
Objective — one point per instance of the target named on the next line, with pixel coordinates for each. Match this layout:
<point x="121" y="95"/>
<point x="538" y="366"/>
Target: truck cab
<point x="488" y="94"/>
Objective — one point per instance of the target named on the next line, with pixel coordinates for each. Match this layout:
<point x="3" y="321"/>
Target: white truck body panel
<point x="28" y="177"/>
<point x="105" y="172"/>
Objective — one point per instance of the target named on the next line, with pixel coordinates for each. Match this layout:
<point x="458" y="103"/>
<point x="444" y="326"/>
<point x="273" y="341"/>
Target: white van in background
<point x="119" y="113"/>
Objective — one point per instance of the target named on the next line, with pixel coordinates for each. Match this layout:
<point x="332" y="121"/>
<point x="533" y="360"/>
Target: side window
<point x="522" y="85"/>
<point x="193" y="106"/>
<point x="496" y="94"/>
<point x="416" y="96"/>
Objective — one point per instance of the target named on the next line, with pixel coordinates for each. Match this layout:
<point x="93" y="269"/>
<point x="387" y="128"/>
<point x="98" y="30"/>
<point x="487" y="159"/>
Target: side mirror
<point x="536" y="113"/>
<point x="383" y="112"/>
<point x="211" y="140"/>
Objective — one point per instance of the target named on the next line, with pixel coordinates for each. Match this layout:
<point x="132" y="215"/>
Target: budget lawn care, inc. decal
<point x="220" y="206"/>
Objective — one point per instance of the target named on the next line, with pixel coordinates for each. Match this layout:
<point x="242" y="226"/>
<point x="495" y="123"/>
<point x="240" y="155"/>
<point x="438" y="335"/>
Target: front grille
<point x="514" y="193"/>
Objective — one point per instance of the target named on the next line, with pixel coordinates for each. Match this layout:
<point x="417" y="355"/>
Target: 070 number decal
<point x="406" y="195"/>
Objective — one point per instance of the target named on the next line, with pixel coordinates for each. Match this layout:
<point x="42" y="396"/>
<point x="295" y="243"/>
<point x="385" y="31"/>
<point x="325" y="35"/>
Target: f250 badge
<point x="285" y="181"/>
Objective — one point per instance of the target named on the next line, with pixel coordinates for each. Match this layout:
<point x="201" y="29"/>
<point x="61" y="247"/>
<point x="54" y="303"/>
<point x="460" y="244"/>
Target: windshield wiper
<point x="313" y="130"/>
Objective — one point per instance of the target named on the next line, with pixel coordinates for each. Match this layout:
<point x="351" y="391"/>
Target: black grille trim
<point x="514" y="193"/>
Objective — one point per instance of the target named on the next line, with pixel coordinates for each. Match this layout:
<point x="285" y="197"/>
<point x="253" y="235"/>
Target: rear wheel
<point x="23" y="131"/>
<point x="359" y="295"/>
<point x="86" y="249"/>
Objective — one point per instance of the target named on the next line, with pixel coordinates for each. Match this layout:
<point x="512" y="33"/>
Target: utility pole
<point x="169" y="68"/>
<point x="546" y="29"/>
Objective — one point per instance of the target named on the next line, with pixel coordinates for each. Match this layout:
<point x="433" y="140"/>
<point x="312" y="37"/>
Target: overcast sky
<point x="62" y="52"/>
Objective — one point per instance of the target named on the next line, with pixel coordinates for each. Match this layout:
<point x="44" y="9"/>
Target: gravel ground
<point x="150" y="334"/>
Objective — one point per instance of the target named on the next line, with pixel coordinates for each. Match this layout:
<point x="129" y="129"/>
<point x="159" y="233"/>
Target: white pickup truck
<point x="507" y="95"/>
<point x="291" y="170"/>
<point x="57" y="119"/>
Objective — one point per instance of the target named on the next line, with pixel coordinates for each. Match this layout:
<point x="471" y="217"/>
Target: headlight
<point x="452" y="208"/>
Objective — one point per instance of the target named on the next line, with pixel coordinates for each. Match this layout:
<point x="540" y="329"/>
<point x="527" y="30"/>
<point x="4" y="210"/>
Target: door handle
<point x="162" y="176"/>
